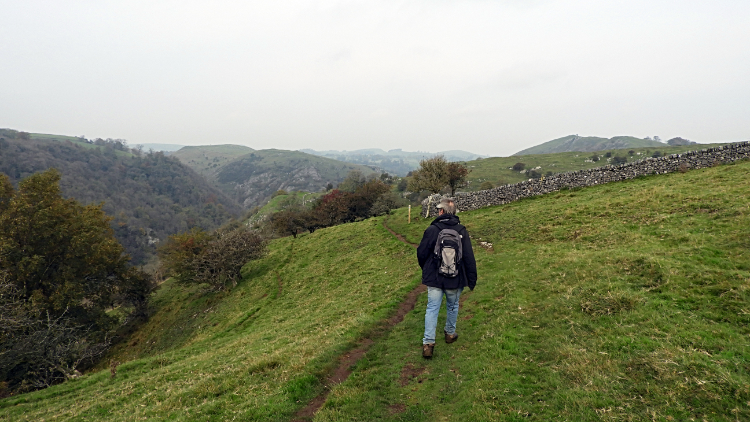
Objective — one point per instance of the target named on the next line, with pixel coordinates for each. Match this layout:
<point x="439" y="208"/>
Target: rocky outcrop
<point x="466" y="201"/>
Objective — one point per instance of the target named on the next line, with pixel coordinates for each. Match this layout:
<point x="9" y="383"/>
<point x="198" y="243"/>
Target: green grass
<point x="207" y="159"/>
<point x="626" y="301"/>
<point x="498" y="170"/>
<point x="258" y="352"/>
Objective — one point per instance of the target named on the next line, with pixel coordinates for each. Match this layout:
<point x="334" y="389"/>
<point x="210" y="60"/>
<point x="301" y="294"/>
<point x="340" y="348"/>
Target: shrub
<point x="519" y="166"/>
<point x="486" y="185"/>
<point x="214" y="259"/>
<point x="620" y="160"/>
<point x="608" y="154"/>
<point x="595" y="158"/>
<point x="656" y="154"/>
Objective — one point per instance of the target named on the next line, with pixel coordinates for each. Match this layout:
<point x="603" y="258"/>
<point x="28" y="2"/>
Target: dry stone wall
<point x="466" y="201"/>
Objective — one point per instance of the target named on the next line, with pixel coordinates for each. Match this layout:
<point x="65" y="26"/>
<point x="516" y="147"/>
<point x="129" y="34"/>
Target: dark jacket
<point x="467" y="272"/>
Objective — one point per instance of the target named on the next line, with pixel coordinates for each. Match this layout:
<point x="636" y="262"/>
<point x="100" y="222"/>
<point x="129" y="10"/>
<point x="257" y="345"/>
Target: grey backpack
<point x="448" y="251"/>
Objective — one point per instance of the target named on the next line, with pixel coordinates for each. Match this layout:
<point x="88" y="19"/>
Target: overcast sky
<point x="491" y="77"/>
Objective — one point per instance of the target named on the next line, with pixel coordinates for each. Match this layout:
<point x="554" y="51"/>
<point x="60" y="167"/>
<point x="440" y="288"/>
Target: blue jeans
<point x="434" y="298"/>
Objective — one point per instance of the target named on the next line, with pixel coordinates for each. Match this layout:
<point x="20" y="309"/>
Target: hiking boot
<point x="427" y="350"/>
<point x="450" y="338"/>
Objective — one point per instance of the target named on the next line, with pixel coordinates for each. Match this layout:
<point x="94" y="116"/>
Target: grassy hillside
<point x="255" y="353"/>
<point x="626" y="301"/>
<point x="498" y="170"/>
<point x="281" y="202"/>
<point x="589" y="144"/>
<point x="206" y="159"/>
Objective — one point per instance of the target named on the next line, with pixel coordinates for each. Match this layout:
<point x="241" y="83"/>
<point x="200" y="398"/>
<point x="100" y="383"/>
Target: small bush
<point x="656" y="154"/>
<point x="519" y="166"/>
<point x="214" y="259"/>
<point x="486" y="185"/>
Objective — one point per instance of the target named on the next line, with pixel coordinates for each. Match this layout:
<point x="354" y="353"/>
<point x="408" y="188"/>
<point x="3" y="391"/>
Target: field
<point x="626" y="301"/>
<point x="498" y="170"/>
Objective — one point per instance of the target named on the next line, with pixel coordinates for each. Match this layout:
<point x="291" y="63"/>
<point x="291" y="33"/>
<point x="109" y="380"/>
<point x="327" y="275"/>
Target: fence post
<point x="409" y="222"/>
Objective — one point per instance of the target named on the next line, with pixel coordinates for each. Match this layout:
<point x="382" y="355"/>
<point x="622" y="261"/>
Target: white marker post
<point x="409" y="214"/>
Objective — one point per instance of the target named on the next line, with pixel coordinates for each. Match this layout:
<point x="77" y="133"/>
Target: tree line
<point x="150" y="195"/>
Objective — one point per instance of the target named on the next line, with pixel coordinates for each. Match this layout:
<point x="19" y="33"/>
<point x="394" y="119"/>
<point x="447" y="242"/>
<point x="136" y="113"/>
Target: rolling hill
<point x="150" y="196"/>
<point x="252" y="176"/>
<point x="396" y="161"/>
<point x="624" y="301"/>
<point x="206" y="159"/>
<point x="573" y="143"/>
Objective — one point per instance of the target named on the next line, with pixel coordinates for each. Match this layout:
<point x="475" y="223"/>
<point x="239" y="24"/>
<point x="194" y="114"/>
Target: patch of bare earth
<point x="395" y="409"/>
<point x="410" y="372"/>
<point x="349" y="359"/>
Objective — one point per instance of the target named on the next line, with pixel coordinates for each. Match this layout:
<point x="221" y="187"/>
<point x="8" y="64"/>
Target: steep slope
<point x="256" y="353"/>
<point x="625" y="301"/>
<point x="254" y="177"/>
<point x="206" y="159"/>
<point x="150" y="196"/>
<point x="589" y="144"/>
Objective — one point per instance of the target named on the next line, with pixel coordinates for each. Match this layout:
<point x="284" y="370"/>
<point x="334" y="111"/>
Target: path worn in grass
<point x="349" y="359"/>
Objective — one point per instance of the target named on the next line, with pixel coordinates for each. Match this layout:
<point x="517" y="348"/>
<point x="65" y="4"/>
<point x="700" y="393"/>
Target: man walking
<point x="447" y="267"/>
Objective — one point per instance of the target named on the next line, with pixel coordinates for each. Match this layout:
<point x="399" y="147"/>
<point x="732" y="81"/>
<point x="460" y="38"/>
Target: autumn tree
<point x="289" y="221"/>
<point x="457" y="174"/>
<point x="432" y="175"/>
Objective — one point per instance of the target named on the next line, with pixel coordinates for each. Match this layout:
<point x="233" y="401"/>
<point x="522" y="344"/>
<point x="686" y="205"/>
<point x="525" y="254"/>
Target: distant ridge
<point x="161" y="147"/>
<point x="395" y="161"/>
<point x="573" y="143"/>
<point x="252" y="176"/>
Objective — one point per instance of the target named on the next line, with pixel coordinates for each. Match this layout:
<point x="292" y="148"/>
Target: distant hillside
<point x="251" y="176"/>
<point x="161" y="147"/>
<point x="499" y="170"/>
<point x="206" y="159"/>
<point x="589" y="144"/>
<point x="150" y="196"/>
<point x="395" y="161"/>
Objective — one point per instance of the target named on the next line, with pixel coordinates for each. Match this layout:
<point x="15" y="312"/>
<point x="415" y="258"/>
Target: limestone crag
<point x="466" y="201"/>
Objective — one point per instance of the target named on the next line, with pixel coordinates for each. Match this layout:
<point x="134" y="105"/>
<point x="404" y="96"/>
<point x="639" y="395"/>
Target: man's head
<point x="446" y="206"/>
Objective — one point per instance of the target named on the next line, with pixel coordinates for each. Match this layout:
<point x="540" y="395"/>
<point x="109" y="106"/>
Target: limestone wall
<point x="466" y="201"/>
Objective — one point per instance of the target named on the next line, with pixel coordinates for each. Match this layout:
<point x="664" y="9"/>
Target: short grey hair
<point x="448" y="206"/>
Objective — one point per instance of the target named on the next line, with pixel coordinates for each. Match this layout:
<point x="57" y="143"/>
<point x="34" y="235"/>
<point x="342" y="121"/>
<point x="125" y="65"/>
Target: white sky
<point x="491" y="77"/>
